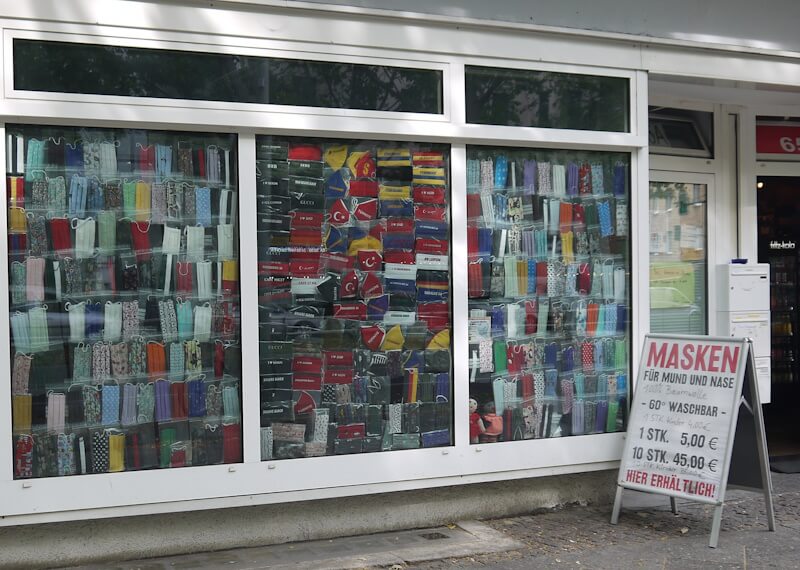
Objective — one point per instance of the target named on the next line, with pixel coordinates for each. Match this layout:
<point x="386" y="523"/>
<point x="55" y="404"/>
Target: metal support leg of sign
<point x="617" y="505"/>
<point x="673" y="505"/>
<point x="715" y="525"/>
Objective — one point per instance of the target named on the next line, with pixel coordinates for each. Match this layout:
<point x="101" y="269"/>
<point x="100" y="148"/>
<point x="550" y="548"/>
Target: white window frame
<point x="255" y="482"/>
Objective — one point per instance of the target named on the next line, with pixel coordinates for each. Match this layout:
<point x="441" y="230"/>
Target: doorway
<point x="779" y="244"/>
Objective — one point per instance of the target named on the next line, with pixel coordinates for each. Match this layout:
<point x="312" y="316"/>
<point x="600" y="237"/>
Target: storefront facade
<point x="263" y="254"/>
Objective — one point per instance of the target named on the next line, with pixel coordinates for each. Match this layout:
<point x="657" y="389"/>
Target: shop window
<point x="124" y="300"/>
<point x="354" y="296"/>
<point x="527" y="98"/>
<point x="62" y="67"/>
<point x="678" y="258"/>
<point x="548" y="283"/>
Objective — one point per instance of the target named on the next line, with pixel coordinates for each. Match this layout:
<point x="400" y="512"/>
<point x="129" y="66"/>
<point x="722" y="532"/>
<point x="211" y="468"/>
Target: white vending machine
<point x="743" y="311"/>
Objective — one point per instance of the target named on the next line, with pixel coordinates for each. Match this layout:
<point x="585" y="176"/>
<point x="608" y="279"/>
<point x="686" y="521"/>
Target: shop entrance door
<point x="777" y="189"/>
<point x="680" y="231"/>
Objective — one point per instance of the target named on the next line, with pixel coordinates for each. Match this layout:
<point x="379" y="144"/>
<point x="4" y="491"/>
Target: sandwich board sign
<point x="696" y="426"/>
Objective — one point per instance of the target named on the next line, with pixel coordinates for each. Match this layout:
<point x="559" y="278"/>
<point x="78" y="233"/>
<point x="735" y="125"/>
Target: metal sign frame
<point x="745" y="383"/>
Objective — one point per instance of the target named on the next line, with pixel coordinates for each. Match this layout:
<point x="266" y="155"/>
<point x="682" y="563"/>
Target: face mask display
<point x="549" y="259"/>
<point x="354" y="296"/>
<point x="124" y="299"/>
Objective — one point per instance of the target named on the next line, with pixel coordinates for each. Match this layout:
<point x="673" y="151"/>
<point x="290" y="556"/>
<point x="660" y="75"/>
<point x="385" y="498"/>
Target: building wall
<point x="732" y="22"/>
<point x="49" y="545"/>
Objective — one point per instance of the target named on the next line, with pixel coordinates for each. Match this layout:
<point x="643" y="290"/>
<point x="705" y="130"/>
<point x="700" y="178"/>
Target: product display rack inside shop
<point x="124" y="300"/>
<point x="354" y="296"/>
<point x="548" y="288"/>
<point x="783" y="315"/>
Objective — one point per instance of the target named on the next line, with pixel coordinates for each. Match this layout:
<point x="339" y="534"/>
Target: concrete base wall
<point x="63" y="544"/>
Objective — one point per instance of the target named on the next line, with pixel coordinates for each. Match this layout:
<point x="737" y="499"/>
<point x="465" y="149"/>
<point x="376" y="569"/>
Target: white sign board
<point x="696" y="425"/>
<point x="680" y="429"/>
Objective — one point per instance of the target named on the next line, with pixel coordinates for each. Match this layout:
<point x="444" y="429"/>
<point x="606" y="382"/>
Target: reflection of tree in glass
<point x="139" y="72"/>
<point x="545" y="99"/>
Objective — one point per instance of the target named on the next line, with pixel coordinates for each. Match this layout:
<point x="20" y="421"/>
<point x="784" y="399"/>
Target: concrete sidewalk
<point x="648" y="536"/>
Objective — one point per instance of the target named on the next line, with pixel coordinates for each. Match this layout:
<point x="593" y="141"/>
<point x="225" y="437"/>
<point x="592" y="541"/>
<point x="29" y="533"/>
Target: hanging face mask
<point x="225" y="241"/>
<point x="174" y="200"/>
<point x="19" y="293"/>
<point x="84" y="237"/>
<point x="195" y="243"/>
<point x="608" y="279"/>
<point x="143" y="201"/>
<point x="39" y="194"/>
<point x="204" y="285"/>
<point x="37" y="235"/>
<point x="34" y="279"/>
<point x="544" y="178"/>
<point x="108" y="159"/>
<point x="230" y="402"/>
<point x="140" y="238"/>
<point x="172" y="241"/>
<point x="559" y="180"/>
<point x="77" y="196"/>
<point x="145" y="402"/>
<point x="619" y="284"/>
<point x="110" y="399"/>
<point x="17" y="221"/>
<point x="20" y="330"/>
<point x="56" y="195"/>
<point x="107" y="231"/>
<point x="130" y="319"/>
<point x="604" y="215"/>
<point x="77" y="321"/>
<point x="39" y="335"/>
<point x="622" y="219"/>
<point x="554" y="213"/>
<point x="112" y="329"/>
<point x="203" y="206"/>
<point x="129" y="199"/>
<point x="185" y="320"/>
<point x="230" y="277"/>
<point x="597" y="179"/>
<point x="163" y="161"/>
<point x="60" y="236"/>
<point x="112" y="193"/>
<point x="168" y="320"/>
<point x="158" y="203"/>
<point x="119" y="360"/>
<point x="202" y="322"/>
<point x="101" y="362"/>
<point x="176" y="360"/>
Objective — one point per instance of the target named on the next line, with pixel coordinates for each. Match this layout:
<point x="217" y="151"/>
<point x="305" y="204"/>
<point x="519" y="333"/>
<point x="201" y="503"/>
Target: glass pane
<point x="138" y="72"/>
<point x="124" y="295"/>
<point x="548" y="286"/>
<point x="678" y="238"/>
<point x="354" y="296"/>
<point x="681" y="132"/>
<point x="525" y="98"/>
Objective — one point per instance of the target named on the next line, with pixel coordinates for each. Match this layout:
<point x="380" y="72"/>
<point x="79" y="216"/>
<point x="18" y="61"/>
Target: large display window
<point x="124" y="299"/>
<point x="354" y="296"/>
<point x="548" y="285"/>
